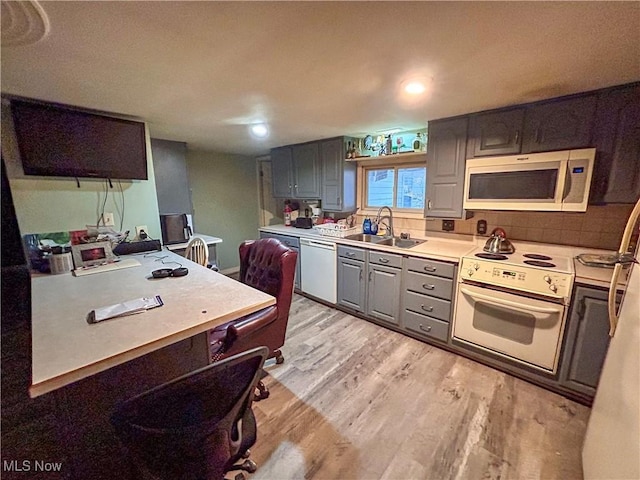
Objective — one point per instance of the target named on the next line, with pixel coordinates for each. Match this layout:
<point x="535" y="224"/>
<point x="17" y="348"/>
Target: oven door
<point x="524" y="329"/>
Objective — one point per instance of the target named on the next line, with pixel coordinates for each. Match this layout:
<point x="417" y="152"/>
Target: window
<point x="397" y="187"/>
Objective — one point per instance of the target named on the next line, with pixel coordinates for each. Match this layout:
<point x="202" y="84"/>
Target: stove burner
<point x="491" y="256"/>
<point x="537" y="263"/>
<point x="536" y="256"/>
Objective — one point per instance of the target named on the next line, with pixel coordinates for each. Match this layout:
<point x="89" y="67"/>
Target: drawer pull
<point x="427" y="286"/>
<point x="427" y="309"/>
<point x="351" y="254"/>
<point x="383" y="260"/>
<point x="429" y="269"/>
<point x="425" y="329"/>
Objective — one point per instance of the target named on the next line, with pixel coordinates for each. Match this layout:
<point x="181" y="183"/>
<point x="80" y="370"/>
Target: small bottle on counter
<point x="389" y="146"/>
<point x="287" y="213"/>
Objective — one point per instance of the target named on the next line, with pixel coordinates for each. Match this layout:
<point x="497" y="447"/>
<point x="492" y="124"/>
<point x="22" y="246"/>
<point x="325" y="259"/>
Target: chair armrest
<point x="252" y="323"/>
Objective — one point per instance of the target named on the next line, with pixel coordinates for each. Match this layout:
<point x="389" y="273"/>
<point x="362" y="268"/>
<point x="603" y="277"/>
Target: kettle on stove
<point x="498" y="242"/>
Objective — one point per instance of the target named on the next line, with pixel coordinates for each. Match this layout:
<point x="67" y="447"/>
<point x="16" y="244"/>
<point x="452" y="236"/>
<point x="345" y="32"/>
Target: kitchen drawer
<point x="387" y="259"/>
<point x="291" y="242"/>
<point x="432" y="267"/>
<point x="425" y="326"/>
<point x="434" y="307"/>
<point x="428" y="285"/>
<point x="352" y="253"/>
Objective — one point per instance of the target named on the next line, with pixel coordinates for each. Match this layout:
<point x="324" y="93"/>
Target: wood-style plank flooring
<point x="354" y="400"/>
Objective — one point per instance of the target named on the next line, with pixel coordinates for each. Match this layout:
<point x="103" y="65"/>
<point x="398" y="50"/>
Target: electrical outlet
<point x="142" y="228"/>
<point x="108" y="220"/>
<point x="448" y="225"/>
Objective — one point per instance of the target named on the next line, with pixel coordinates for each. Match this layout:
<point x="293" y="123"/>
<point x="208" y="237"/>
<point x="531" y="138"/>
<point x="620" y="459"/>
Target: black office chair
<point x="197" y="426"/>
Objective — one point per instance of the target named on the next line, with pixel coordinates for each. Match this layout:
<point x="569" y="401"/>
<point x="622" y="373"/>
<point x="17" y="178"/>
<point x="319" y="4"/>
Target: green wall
<point x="225" y="200"/>
<point x="56" y="204"/>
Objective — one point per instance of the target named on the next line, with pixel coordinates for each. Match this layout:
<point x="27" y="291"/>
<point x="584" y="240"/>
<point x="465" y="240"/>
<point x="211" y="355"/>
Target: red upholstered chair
<point x="269" y="266"/>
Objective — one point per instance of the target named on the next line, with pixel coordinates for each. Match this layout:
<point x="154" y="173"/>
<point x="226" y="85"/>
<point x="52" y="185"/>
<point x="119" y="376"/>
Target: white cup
<point x="60" y="263"/>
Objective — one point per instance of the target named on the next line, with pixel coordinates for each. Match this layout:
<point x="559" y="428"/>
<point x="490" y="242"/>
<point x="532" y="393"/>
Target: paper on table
<point x="126" y="308"/>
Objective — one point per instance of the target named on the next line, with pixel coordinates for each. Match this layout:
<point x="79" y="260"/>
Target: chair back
<point x="197" y="251"/>
<point x="191" y="427"/>
<point x="270" y="266"/>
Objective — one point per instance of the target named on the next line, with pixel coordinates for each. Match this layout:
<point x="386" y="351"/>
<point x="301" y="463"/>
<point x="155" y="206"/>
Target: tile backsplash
<point x="601" y="226"/>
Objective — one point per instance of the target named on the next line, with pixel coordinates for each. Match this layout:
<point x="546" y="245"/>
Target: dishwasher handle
<point x="318" y="244"/>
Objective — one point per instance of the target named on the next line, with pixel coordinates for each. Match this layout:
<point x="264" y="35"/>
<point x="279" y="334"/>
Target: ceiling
<point x="202" y="72"/>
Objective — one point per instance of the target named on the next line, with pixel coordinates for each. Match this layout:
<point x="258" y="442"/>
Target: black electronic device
<point x="175" y="228"/>
<point x="63" y="141"/>
<point x="170" y="272"/>
<point x="128" y="248"/>
<point x="303" y="222"/>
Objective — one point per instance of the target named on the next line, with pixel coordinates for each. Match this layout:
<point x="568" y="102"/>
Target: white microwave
<point x="551" y="181"/>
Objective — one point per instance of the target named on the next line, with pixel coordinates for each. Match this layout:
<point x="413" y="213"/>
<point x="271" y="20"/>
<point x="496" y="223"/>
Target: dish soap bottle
<point x="417" y="143"/>
<point x="366" y="226"/>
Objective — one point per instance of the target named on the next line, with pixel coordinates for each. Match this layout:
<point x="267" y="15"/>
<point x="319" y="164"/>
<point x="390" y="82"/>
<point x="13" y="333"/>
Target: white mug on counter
<point x="60" y="263"/>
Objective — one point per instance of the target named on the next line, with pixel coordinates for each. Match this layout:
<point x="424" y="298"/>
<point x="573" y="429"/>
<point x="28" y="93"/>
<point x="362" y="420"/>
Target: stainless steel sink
<point x="400" y="242"/>
<point x="365" y="237"/>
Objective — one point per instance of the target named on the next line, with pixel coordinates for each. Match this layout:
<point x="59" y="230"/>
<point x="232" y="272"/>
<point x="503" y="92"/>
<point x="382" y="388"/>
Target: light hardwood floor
<point x="354" y="400"/>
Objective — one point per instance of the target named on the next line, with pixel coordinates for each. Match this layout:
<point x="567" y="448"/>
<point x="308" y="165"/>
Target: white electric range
<point x="514" y="305"/>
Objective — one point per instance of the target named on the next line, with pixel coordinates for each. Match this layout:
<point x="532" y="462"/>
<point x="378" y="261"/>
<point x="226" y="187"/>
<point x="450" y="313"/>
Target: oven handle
<point x="507" y="303"/>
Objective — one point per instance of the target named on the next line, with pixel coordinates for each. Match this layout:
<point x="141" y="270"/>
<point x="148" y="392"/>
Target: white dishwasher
<point x="319" y="269"/>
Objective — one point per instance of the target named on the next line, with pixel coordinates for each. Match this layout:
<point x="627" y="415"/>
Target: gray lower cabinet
<point x="352" y="265"/>
<point x="427" y="294"/>
<point x="586" y="340"/>
<point x="383" y="291"/>
<point x="294" y="244"/>
<point x="446" y="160"/>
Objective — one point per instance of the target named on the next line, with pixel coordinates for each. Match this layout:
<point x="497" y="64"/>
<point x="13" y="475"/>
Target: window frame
<point x="394" y="167"/>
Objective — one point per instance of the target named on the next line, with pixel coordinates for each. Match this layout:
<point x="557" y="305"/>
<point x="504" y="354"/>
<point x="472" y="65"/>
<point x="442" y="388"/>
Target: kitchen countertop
<point x="434" y="248"/>
<point x="441" y="248"/>
<point x="67" y="349"/>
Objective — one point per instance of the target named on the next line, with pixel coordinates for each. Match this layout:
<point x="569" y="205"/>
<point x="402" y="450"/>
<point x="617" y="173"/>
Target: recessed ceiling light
<point x="414" y="87"/>
<point x="260" y="130"/>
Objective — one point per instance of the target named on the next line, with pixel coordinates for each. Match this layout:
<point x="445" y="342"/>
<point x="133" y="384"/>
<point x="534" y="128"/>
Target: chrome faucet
<point x="389" y="232"/>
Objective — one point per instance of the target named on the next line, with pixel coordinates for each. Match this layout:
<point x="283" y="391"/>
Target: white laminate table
<point x="65" y="348"/>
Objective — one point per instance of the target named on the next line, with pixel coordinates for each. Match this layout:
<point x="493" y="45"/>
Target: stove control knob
<point x="553" y="288"/>
<point x="470" y="272"/>
<point x="547" y="279"/>
<point x="476" y="266"/>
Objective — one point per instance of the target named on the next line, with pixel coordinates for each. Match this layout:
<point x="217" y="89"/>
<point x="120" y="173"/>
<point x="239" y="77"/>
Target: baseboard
<point x="230" y="271"/>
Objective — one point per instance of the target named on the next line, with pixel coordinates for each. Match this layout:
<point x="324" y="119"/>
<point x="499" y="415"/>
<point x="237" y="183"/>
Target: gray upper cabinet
<point x="559" y="125"/>
<point x="281" y="172"/>
<point x="172" y="180"/>
<point x="496" y="133"/>
<point x="587" y="340"/>
<point x="617" y="132"/>
<point x="296" y="171"/>
<point x="446" y="158"/>
<point x="306" y="170"/>
<point x="338" y="177"/>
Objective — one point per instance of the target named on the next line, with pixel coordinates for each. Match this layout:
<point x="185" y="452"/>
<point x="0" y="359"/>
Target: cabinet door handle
<point x="428" y="286"/>
<point x="383" y="260"/>
<point x="428" y="204"/>
<point x="360" y="275"/>
<point x="370" y="275"/>
<point x="515" y="139"/>
<point x="426" y="309"/>
<point x="425" y="329"/>
<point x="429" y="268"/>
<point x="351" y="254"/>
<point x="538" y="135"/>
